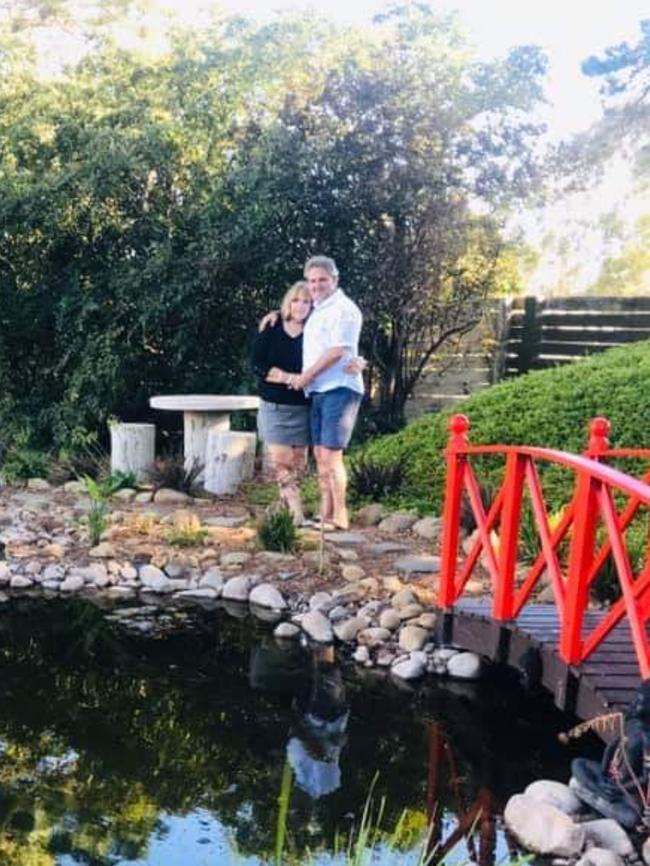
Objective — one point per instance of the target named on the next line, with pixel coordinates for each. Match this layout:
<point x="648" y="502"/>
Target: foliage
<point x="21" y="461"/>
<point x="551" y="408"/>
<point x="277" y="530"/>
<point x="98" y="512"/>
<point x="187" y="537"/>
<point x="151" y="207"/>
<point x="171" y="472"/>
<point x="627" y="273"/>
<point x="81" y="455"/>
<point x="371" y="479"/>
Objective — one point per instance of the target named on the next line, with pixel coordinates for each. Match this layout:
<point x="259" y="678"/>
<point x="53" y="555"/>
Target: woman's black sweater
<point x="273" y="347"/>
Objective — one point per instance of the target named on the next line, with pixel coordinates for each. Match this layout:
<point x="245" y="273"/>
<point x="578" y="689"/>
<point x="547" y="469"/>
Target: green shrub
<point x="277" y="531"/>
<point x="372" y="479"/>
<point x="171" y="472"/>
<point x="20" y="460"/>
<point x="187" y="537"/>
<point x="550" y="408"/>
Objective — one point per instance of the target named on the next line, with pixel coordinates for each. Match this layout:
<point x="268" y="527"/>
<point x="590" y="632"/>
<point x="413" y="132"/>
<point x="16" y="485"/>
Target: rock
<point x="426" y="620"/>
<point x="167" y="496"/>
<point x="402" y="598"/>
<point x="352" y="572"/>
<point x="74" y="487"/>
<point x="347" y="554"/>
<point x="383" y="547"/>
<point x="56" y="551"/>
<point x="38" y="485"/>
<point x="104" y="550"/>
<point x="322" y="601"/>
<point x="33" y="567"/>
<point x="385" y="657"/>
<point x="408" y="668"/>
<point x="418" y="564"/>
<point x="361" y="655"/>
<point x="275" y="556"/>
<point x="411" y="638"/>
<point x="144" y="497"/>
<point x="349" y="594"/>
<point x="125" y="494"/>
<point x="155" y="580"/>
<point x="389" y="619"/>
<point x="464" y="666"/>
<point x="444" y="653"/>
<point x="348" y="630"/>
<point x="227" y="522"/>
<point x="212" y="579"/>
<point x="5" y="573"/>
<point x="199" y="592"/>
<point x="287" y="631"/>
<point x="373" y="636"/>
<point x="542" y="828"/>
<point x="607" y="833"/>
<point x="72" y="583"/>
<point x="236" y="557"/>
<point x="266" y="595"/>
<point x="338" y="613"/>
<point x="53" y="572"/>
<point x="345" y="538"/>
<point x="317" y="626"/>
<point x="19" y="581"/>
<point x="399" y="521"/>
<point x="555" y="794"/>
<point x="600" y="857"/>
<point x="428" y="528"/>
<point x="174" y="569"/>
<point x="129" y="572"/>
<point x="410" y="611"/>
<point x="370" y="515"/>
<point x="237" y="588"/>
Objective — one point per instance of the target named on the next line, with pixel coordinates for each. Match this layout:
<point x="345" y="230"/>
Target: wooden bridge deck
<point x="605" y="682"/>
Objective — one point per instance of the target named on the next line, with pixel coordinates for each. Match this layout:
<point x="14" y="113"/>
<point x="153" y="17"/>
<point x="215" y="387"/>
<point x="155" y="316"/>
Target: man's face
<point x="321" y="284"/>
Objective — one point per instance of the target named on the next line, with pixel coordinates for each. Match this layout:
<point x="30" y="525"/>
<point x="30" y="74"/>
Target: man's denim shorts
<point x="333" y="416"/>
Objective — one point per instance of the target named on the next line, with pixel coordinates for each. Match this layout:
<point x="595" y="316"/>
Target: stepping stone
<point x="227" y="522"/>
<point x="385" y="547"/>
<point x="418" y="564"/>
<point x="345" y="537"/>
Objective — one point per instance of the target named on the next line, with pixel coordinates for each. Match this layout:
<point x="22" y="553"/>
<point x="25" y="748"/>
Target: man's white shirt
<point x="335" y="321"/>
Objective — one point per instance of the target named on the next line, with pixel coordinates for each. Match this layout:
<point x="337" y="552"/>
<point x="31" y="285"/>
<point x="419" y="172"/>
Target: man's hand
<point x="298" y="382"/>
<point x="356" y="365"/>
<point x="269" y="320"/>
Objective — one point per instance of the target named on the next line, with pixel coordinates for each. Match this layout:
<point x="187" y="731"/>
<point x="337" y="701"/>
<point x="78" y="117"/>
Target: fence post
<point x="530" y="335"/>
<point x="598" y="441"/>
<point x="458" y="428"/>
<point x="513" y="488"/>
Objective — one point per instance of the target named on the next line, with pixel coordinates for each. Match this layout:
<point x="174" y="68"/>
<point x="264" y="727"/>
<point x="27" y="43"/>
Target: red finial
<point x="598" y="435"/>
<point x="458" y="427"/>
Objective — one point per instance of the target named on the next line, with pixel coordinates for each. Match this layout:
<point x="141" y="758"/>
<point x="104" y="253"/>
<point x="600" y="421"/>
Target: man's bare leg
<point x="338" y="487"/>
<point x="324" y="482"/>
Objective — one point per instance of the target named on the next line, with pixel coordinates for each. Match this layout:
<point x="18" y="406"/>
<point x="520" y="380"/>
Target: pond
<point x="134" y="736"/>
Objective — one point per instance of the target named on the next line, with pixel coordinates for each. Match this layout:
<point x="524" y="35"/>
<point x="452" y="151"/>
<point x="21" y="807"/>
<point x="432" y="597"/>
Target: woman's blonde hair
<point x="299" y="288"/>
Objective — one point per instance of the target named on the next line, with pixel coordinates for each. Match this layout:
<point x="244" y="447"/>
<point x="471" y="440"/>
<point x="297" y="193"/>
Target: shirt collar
<point x="330" y="299"/>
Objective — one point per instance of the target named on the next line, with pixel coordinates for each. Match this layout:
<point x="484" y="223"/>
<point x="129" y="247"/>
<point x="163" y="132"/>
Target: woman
<point x="283" y="417"/>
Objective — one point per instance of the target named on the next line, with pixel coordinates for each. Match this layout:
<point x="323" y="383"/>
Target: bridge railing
<point x="574" y="548"/>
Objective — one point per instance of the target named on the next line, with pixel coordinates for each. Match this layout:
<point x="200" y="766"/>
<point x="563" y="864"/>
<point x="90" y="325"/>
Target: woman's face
<point x="300" y="307"/>
<point x="321" y="284"/>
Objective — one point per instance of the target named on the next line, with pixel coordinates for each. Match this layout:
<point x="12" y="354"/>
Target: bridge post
<point x="458" y="428"/>
<point x="513" y="488"/>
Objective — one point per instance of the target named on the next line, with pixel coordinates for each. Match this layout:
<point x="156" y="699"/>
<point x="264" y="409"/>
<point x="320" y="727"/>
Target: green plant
<point x="187" y="537"/>
<point x="81" y="455"/>
<point x="171" y="472"/>
<point x="606" y="588"/>
<point x="98" y="512"/>
<point x="22" y="461"/>
<point x="550" y="408"/>
<point x="277" y="531"/>
<point x="374" y="479"/>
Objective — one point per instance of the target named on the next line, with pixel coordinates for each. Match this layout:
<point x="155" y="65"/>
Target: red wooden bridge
<point x="591" y="658"/>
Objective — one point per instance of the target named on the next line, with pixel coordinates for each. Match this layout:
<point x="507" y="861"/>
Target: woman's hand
<point x="268" y="320"/>
<point x="356" y="365"/>
<point x="277" y="376"/>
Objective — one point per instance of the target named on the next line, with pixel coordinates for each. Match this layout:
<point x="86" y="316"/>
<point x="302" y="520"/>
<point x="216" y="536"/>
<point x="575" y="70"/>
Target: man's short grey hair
<point x="323" y="262"/>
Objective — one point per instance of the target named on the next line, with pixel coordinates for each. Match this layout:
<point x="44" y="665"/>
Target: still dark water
<point x="184" y="746"/>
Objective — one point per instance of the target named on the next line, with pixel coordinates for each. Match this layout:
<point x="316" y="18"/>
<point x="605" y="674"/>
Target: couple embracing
<point x="310" y="384"/>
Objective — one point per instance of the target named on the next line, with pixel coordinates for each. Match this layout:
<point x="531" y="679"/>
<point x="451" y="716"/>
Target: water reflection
<point x="121" y="748"/>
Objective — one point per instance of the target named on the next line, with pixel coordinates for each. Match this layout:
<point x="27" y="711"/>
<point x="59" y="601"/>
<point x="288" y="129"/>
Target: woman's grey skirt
<point x="282" y="424"/>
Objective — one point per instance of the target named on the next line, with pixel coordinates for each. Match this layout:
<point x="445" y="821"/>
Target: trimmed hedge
<point x="550" y="408"/>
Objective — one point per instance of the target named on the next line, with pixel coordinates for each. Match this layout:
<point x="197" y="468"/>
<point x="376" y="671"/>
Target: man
<point x="333" y="380"/>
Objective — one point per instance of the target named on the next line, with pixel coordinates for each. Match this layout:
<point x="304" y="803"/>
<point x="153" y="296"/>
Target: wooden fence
<point x="541" y="333"/>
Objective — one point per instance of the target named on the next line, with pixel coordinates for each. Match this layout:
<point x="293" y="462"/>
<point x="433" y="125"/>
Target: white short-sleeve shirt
<point x="336" y="321"/>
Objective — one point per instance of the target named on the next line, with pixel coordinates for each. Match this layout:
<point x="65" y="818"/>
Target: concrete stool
<point x="229" y="460"/>
<point x="133" y="448"/>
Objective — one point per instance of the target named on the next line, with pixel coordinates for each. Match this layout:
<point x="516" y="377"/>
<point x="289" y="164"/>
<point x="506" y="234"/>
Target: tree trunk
<point x="230" y="459"/>
<point x="133" y="448"/>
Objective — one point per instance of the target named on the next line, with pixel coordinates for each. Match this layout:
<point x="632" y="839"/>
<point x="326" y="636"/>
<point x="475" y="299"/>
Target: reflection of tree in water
<point x="171" y="725"/>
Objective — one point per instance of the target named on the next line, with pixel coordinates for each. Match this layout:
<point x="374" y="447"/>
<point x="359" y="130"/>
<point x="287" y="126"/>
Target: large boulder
<point x="266" y="595"/>
<point x="607" y="833"/>
<point x="555" y="794"/>
<point x="317" y="627"/>
<point x="543" y="829"/>
<point x="600" y="857"/>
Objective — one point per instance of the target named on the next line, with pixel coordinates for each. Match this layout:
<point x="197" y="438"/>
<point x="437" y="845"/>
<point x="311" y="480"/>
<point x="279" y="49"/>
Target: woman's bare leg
<point x="283" y="467"/>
